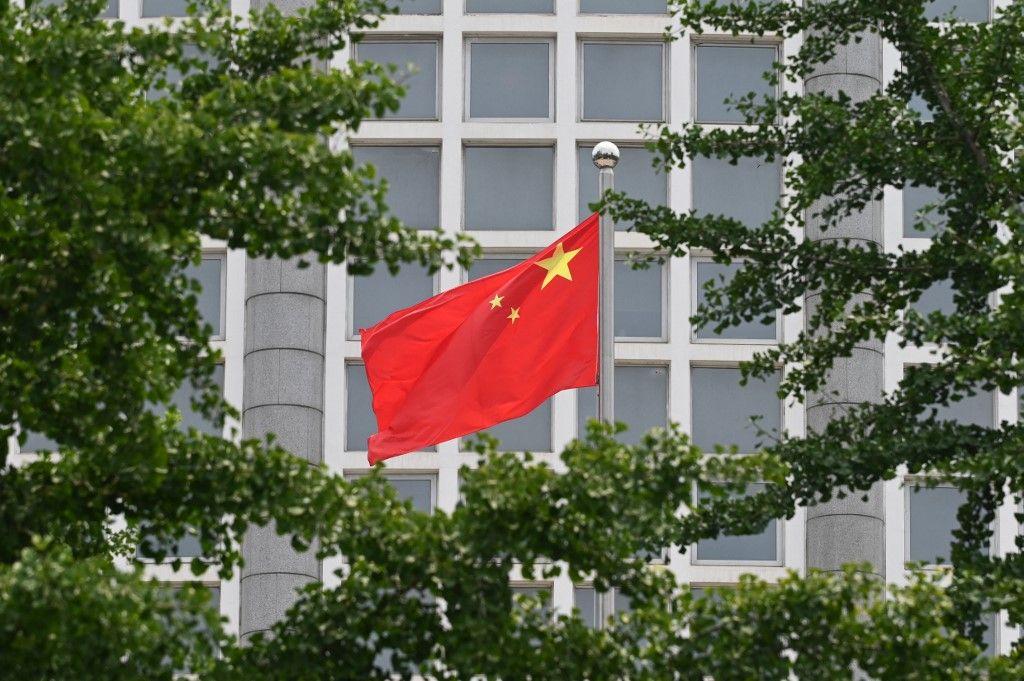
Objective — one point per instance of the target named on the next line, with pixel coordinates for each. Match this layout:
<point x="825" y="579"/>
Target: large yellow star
<point x="514" y="315"/>
<point x="558" y="264"/>
<point x="496" y="302"/>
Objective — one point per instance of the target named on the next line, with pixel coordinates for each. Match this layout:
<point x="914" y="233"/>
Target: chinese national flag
<point x="488" y="351"/>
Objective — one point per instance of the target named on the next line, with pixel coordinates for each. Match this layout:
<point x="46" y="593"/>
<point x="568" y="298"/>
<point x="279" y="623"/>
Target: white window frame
<point x="494" y="144"/>
<point x="908" y="483"/>
<point x="780" y="544"/>
<point x="695" y="299"/>
<point x="352" y="333"/>
<point x="621" y="256"/>
<point x="220" y="254"/>
<point x="398" y="39"/>
<point x="468" y="82"/>
<point x="413" y="475"/>
<point x="728" y="41"/>
<point x="413" y="144"/>
<point x="604" y="602"/>
<point x="581" y="43"/>
<point x="693" y="188"/>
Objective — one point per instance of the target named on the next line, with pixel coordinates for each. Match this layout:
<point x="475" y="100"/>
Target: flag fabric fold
<point x="487" y="351"/>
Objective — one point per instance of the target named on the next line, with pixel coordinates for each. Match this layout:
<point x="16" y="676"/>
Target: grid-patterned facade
<point x="505" y="101"/>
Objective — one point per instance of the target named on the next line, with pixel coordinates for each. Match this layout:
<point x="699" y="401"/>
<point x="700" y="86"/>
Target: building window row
<point x="620" y="80"/>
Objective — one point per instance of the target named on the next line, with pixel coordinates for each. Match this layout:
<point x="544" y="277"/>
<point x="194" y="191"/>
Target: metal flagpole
<point x="606" y="157"/>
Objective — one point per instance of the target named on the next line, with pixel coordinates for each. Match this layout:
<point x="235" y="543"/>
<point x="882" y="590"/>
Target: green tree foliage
<point x="106" y="193"/>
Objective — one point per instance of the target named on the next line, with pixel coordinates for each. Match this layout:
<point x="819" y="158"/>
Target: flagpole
<point x="606" y="157"/>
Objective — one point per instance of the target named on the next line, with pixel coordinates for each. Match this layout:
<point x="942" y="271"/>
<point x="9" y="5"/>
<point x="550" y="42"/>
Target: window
<point x="210" y="275"/>
<point x="623" y="7"/>
<point x="37" y="442"/>
<point x="638" y="301"/>
<point x="623" y="81"/>
<point x="746" y="192"/>
<point x="510" y="79"/>
<point x="917" y="103"/>
<point x="166" y="8"/>
<point x="174" y="76"/>
<point x="414" y="181"/>
<point x="190" y="416"/>
<point x="360" y="422"/>
<point x="936" y="298"/>
<point x="762" y="547"/>
<point x="533" y="592"/>
<point x="723" y="409"/>
<point x="977" y="410"/>
<point x="185" y="546"/>
<point x="108" y="12"/>
<point x="597" y="608"/>
<point x="417" y="6"/>
<point x="706" y="271"/>
<point x="641" y="401"/>
<point x="531" y="432"/>
<point x="931" y="519"/>
<point x="416" y="489"/>
<point x="963" y="10"/>
<point x="510" y="188"/>
<point x="510" y="6"/>
<point x="199" y="623"/>
<point x="377" y="295"/>
<point x="417" y="71"/>
<point x="635" y="176"/>
<point x="729" y="72"/>
<point x="918" y="220"/>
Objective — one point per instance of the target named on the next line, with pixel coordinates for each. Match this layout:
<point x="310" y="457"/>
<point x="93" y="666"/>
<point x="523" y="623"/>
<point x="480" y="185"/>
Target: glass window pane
<point x="762" y="546"/>
<point x="936" y="298"/>
<point x="510" y="6"/>
<point x="585" y="600"/>
<point x="419" y="491"/>
<point x="377" y="295"/>
<point x="623" y="81"/>
<point x="722" y="274"/>
<point x="190" y="417"/>
<point x="483" y="267"/>
<point x="716" y="183"/>
<point x="533" y="592"/>
<point x="37" y="442"/>
<point x="641" y="400"/>
<point x="414" y="181"/>
<point x="964" y="10"/>
<point x="165" y="8"/>
<point x="722" y="409"/>
<point x="931" y="520"/>
<point x="509" y="80"/>
<point x="586" y="409"/>
<point x="108" y="12"/>
<point x="174" y="76"/>
<point x="638" y="296"/>
<point x="185" y="546"/>
<point x="209" y="274"/>
<point x="529" y="433"/>
<point x="920" y="224"/>
<point x="417" y="72"/>
<point x="976" y="410"/>
<point x="634" y="176"/>
<point x="509" y="188"/>
<point x="417" y="6"/>
<point x="917" y="103"/>
<point x="360" y="422"/>
<point x="623" y="7"/>
<point x="729" y="72"/>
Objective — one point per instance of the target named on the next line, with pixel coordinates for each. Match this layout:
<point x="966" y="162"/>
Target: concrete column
<point x="851" y="529"/>
<point x="283" y="394"/>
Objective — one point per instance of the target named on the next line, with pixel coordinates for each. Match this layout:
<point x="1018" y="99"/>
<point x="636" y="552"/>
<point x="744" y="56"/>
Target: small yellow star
<point x="514" y="315"/>
<point x="557" y="265"/>
<point x="497" y="301"/>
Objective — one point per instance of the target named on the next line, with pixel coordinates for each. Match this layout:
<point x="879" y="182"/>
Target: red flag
<point x="487" y="351"/>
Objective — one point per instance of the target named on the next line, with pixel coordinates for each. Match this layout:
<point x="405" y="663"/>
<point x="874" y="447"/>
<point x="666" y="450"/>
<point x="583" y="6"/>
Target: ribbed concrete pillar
<point x="283" y="394"/>
<point x="849" y="530"/>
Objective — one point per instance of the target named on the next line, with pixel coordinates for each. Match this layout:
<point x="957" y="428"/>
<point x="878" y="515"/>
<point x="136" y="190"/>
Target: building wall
<point x="668" y="367"/>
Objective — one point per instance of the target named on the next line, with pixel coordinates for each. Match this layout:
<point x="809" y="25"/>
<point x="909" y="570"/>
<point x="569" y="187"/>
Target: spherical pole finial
<point x="606" y="155"/>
